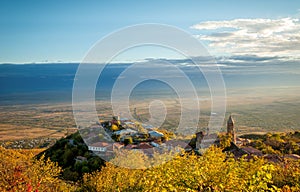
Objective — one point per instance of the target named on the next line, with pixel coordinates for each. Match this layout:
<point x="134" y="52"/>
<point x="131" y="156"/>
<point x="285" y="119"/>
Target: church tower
<point x="230" y="128"/>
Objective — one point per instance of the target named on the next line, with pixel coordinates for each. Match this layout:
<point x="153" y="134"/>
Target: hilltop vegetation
<point x="277" y="143"/>
<point x="73" y="156"/>
<point x="213" y="171"/>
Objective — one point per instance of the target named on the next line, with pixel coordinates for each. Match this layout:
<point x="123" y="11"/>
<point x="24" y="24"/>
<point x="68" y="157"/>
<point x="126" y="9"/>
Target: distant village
<point x="40" y="142"/>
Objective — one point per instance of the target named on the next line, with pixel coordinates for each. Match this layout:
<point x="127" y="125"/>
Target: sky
<point x="36" y="31"/>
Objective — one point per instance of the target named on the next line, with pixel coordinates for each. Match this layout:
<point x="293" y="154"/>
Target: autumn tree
<point x="22" y="172"/>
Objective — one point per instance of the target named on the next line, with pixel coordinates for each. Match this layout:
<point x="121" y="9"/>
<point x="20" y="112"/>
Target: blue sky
<point x="39" y="31"/>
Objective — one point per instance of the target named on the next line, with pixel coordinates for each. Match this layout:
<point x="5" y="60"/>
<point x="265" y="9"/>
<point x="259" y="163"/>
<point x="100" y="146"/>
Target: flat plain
<point x="254" y="111"/>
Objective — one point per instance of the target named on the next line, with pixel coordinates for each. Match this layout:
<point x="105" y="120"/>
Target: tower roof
<point x="230" y="119"/>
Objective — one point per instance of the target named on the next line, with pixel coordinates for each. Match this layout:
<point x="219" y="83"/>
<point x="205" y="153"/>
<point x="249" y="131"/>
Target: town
<point x="125" y="134"/>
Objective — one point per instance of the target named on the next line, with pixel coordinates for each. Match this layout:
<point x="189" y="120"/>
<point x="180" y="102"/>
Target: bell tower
<point x="230" y="128"/>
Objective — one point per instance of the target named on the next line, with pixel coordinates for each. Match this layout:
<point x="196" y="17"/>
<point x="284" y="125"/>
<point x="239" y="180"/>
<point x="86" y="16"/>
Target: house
<point x="141" y="135"/>
<point x="113" y="146"/>
<point x="80" y="159"/>
<point x="99" y="146"/>
<point x="292" y="156"/>
<point x="104" y="149"/>
<point x="251" y="151"/>
<point x="177" y="145"/>
<point x="273" y="158"/>
<point x="117" y="146"/>
<point x="144" y="146"/>
<point x="124" y="132"/>
<point x="128" y="124"/>
<point x="156" y="134"/>
<point x="242" y="141"/>
<point x="205" y="140"/>
<point x="130" y="146"/>
<point x="154" y="144"/>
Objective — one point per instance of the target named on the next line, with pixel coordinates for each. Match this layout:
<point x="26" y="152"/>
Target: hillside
<point x="72" y="154"/>
<point x="213" y="171"/>
<point x="276" y="143"/>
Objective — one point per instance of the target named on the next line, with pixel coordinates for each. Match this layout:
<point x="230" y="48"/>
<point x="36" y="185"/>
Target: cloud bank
<point x="261" y="37"/>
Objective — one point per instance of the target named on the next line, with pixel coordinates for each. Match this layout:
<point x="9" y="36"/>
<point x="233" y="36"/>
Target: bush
<point x="211" y="172"/>
<point x="22" y="172"/>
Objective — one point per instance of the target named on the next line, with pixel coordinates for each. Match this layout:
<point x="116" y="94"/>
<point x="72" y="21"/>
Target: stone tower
<point x="199" y="137"/>
<point x="230" y="128"/>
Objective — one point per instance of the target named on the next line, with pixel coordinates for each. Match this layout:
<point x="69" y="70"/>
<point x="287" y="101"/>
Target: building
<point x="251" y="151"/>
<point x="144" y="145"/>
<point x="230" y="129"/>
<point x="209" y="140"/>
<point x="199" y="137"/>
<point x="124" y="132"/>
<point x="80" y="159"/>
<point x="99" y="146"/>
<point x="128" y="125"/>
<point x="177" y="145"/>
<point x="155" y="134"/>
<point x="117" y="146"/>
<point x="130" y="146"/>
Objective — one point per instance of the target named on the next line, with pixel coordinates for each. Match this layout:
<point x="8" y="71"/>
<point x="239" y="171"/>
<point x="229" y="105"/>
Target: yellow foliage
<point x="225" y="140"/>
<point x="213" y="171"/>
<point x="19" y="171"/>
<point x="114" y="127"/>
<point x="130" y="159"/>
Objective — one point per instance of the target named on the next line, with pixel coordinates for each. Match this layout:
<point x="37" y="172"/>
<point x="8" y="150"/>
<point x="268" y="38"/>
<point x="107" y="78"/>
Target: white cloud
<point x="263" y="37"/>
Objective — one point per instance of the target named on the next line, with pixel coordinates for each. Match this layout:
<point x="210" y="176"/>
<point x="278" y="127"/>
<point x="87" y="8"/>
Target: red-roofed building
<point x="292" y="156"/>
<point x="251" y="151"/>
<point x="178" y="143"/>
<point x="130" y="146"/>
<point x="99" y="146"/>
<point x="144" y="146"/>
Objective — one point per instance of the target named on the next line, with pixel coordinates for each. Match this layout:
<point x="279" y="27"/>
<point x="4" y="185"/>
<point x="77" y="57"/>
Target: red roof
<point x="144" y="146"/>
<point x="99" y="144"/>
<point x="251" y="150"/>
<point x="292" y="156"/>
<point x="118" y="145"/>
<point x="130" y="146"/>
<point x="273" y="158"/>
